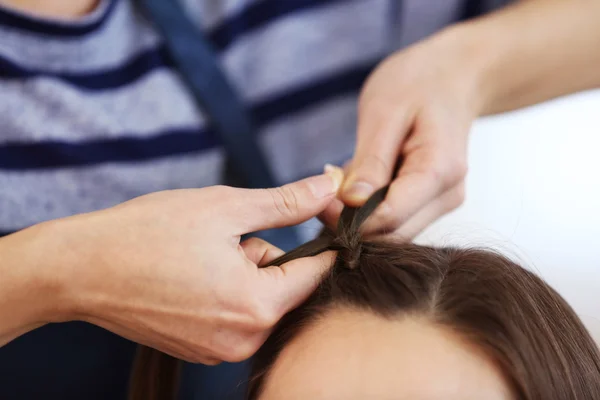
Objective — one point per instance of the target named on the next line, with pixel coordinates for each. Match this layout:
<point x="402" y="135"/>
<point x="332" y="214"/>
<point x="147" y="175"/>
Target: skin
<point x="419" y="103"/>
<point x="349" y="354"/>
<point x="167" y="269"/>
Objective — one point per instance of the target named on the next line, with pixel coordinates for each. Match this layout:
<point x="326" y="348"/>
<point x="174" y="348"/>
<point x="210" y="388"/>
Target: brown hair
<point x="522" y="324"/>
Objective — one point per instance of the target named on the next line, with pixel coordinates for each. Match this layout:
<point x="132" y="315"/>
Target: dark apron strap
<point x="197" y="63"/>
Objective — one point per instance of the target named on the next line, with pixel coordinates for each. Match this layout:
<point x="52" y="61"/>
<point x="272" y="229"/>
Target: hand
<point x="417" y="105"/>
<point x="167" y="270"/>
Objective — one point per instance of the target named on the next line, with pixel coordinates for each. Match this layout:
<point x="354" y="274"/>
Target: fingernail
<point x="358" y="191"/>
<point x="336" y="173"/>
<point x="323" y="185"/>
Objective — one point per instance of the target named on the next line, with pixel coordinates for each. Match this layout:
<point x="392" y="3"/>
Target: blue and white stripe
<point x="93" y="114"/>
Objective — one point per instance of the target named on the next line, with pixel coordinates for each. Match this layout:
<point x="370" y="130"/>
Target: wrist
<point x="531" y="52"/>
<point x="476" y="63"/>
<point x="35" y="286"/>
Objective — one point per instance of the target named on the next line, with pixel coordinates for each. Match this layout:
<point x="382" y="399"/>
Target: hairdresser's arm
<point x="166" y="270"/>
<point x="30" y="288"/>
<point x="537" y="50"/>
<point x="420" y="102"/>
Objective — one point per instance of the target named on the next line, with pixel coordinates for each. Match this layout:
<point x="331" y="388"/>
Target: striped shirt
<point x="92" y="113"/>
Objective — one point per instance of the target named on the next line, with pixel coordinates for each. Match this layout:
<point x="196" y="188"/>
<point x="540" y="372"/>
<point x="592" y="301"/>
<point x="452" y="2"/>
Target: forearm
<point x="533" y="51"/>
<point x="31" y="280"/>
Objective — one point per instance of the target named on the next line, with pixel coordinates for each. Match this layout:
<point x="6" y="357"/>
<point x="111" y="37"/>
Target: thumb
<point x="378" y="143"/>
<point x="290" y="204"/>
<point x="287" y="286"/>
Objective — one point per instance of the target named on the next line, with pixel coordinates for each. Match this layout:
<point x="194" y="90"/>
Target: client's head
<point x="401" y="321"/>
<point x="411" y="322"/>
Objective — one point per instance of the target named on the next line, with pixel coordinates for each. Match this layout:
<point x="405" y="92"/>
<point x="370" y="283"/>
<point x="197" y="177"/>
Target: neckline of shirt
<point x="23" y="21"/>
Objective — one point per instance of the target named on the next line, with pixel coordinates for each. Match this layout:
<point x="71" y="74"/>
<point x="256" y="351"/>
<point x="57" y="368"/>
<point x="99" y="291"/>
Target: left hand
<point x="167" y="269"/>
<point x="418" y="104"/>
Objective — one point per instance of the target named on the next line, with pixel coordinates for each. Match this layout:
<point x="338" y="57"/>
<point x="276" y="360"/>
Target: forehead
<point x="355" y="355"/>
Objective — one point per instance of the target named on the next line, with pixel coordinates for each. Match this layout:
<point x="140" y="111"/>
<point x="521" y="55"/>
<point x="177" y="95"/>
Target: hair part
<point x="522" y="324"/>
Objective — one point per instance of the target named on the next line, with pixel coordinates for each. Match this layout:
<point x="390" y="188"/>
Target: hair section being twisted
<point x="155" y="375"/>
<point x="347" y="241"/>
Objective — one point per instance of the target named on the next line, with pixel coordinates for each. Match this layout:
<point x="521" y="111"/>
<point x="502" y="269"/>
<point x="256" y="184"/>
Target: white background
<point x="533" y="191"/>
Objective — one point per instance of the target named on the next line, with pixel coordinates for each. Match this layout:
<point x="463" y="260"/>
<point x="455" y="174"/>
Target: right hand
<point x="167" y="270"/>
<point x="416" y="106"/>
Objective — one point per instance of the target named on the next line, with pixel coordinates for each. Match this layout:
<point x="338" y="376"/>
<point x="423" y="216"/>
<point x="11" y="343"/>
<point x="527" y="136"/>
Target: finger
<point x="286" y="205"/>
<point x="381" y="131"/>
<point x="442" y="205"/>
<point x="330" y="216"/>
<point x="286" y="287"/>
<point x="427" y="172"/>
<point x="260" y="252"/>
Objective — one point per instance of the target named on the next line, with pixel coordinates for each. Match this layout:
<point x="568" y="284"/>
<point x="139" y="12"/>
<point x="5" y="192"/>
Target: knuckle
<point x="263" y="318"/>
<point x="260" y="314"/>
<point x="232" y="347"/>
<point x="285" y="201"/>
<point x="239" y="347"/>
